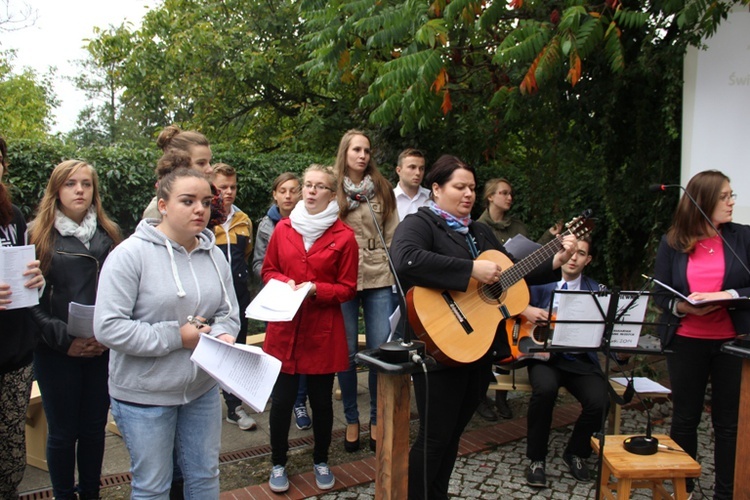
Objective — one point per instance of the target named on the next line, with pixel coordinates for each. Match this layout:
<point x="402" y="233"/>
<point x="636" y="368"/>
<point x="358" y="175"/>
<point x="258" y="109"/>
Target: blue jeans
<point x="192" y="430"/>
<point x="301" y="391"/>
<point x="377" y="306"/>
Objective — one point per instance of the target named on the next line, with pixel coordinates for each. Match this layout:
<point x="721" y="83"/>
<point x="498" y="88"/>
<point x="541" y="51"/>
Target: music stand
<point x="610" y="319"/>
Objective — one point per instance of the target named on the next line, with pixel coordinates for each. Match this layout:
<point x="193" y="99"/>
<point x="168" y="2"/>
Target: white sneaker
<point x="244" y="421"/>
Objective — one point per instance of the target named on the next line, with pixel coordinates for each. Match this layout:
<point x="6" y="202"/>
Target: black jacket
<point x="73" y="276"/>
<point x="19" y="333"/>
<point x="671" y="269"/>
<point x="428" y="253"/>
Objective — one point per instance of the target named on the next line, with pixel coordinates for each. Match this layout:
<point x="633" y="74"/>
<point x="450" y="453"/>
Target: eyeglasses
<point x="316" y="187"/>
<point x="727" y="196"/>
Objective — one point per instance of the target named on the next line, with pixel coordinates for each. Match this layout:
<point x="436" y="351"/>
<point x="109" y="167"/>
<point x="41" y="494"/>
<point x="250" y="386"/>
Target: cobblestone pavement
<point x="500" y="473"/>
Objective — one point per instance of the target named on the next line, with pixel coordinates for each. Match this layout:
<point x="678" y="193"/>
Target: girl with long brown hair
<point x="73" y="236"/>
<point x="704" y="261"/>
<point x="359" y="177"/>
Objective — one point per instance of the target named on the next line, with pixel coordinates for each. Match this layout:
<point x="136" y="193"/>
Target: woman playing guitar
<point x="437" y="248"/>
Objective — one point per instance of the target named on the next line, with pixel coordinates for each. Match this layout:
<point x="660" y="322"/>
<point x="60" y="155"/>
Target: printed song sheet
<point x="13" y="262"/>
<point x="625" y="334"/>
<point x="80" y="320"/>
<point x="244" y="370"/>
<point x="581" y="311"/>
<point x="580" y="322"/>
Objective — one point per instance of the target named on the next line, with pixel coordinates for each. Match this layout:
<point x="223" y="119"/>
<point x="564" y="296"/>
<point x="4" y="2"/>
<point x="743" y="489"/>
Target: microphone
<point x="360" y="198"/>
<point x="663" y="187"/>
<point x="660" y="188"/>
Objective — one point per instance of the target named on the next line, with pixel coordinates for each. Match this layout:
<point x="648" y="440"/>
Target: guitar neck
<point x="519" y="270"/>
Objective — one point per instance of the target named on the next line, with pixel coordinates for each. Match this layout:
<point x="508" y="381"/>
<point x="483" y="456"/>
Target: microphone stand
<point x="395" y="362"/>
<point x="406" y="350"/>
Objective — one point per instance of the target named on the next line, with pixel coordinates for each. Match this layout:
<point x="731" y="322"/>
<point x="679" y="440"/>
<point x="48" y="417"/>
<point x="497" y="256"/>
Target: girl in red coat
<point x="314" y="246"/>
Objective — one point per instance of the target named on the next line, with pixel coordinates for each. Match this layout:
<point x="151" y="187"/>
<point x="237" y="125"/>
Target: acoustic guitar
<point x="459" y="327"/>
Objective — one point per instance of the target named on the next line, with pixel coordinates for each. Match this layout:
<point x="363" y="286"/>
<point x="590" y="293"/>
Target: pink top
<point x="705" y="273"/>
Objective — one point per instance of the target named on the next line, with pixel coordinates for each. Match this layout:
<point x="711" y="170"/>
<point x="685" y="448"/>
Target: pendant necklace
<point x="708" y="249"/>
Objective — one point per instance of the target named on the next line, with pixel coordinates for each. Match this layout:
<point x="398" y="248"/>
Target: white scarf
<point x="311" y="227"/>
<point x="68" y="227"/>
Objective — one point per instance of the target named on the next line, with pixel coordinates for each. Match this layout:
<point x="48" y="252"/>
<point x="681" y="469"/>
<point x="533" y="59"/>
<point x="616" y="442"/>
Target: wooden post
<point x="742" y="459"/>
<point x="392" y="435"/>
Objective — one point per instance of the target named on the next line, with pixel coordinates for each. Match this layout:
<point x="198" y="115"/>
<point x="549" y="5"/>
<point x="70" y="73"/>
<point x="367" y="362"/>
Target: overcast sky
<point x="56" y="39"/>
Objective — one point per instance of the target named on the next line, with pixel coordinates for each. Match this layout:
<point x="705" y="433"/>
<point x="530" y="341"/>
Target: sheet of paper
<point x="244" y="370"/>
<point x="627" y="335"/>
<point x="277" y="302"/>
<point x="575" y="316"/>
<point x="643" y="385"/>
<point x="739" y="302"/>
<point x="521" y="247"/>
<point x="13" y="262"/>
<point x="80" y="320"/>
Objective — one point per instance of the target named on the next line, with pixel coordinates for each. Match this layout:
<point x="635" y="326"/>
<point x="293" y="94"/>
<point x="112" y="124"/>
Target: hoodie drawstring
<point x="175" y="274"/>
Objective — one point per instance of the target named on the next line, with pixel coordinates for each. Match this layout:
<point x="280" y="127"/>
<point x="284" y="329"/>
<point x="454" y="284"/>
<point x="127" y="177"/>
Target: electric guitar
<point x="523" y="334"/>
<point x="459" y="327"/>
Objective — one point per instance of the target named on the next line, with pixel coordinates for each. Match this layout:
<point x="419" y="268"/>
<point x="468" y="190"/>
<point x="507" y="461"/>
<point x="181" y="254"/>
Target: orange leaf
<point x="574" y="73"/>
<point x="437" y="7"/>
<point x="344" y="59"/>
<point x="516" y="4"/>
<point x="529" y="84"/>
<point x="446" y="106"/>
<point x="440" y="81"/>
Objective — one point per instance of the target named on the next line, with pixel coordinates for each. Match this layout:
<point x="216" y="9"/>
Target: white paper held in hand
<point x="13" y="262"/>
<point x="244" y="370"/>
<point x="277" y="302"/>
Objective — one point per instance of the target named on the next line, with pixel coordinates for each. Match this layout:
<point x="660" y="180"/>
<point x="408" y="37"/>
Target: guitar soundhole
<point x="542" y="334"/>
<point x="490" y="293"/>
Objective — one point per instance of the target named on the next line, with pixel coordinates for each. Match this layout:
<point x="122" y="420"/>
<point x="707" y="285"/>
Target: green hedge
<point x="127" y="175"/>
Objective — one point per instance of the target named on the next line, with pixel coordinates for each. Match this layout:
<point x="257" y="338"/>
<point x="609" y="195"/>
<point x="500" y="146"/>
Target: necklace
<point x="709" y="249"/>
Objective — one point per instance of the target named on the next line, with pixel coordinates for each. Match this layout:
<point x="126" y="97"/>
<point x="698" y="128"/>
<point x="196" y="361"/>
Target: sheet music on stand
<point x="579" y="318"/>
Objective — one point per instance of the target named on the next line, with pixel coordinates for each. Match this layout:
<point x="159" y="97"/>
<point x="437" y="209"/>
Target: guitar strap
<point x="472" y="245"/>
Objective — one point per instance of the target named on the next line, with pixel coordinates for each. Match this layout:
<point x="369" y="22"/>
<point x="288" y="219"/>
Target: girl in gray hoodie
<point x="159" y="290"/>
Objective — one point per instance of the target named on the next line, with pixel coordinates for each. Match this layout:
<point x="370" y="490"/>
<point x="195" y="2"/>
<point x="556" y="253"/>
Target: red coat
<point x="314" y="342"/>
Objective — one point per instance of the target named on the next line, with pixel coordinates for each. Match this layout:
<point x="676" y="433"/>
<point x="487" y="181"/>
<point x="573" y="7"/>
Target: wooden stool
<point x="644" y="471"/>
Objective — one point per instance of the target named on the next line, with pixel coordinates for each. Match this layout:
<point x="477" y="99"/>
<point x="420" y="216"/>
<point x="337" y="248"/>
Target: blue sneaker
<point x="302" y="419"/>
<point x="279" y="481"/>
<point x="323" y="476"/>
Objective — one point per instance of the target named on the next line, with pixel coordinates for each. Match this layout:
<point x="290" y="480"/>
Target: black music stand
<point x="611" y="318"/>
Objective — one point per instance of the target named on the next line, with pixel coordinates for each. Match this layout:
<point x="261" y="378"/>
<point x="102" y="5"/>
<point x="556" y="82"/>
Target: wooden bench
<point x="505" y="382"/>
<point x="36" y="430"/>
<point x="259" y="338"/>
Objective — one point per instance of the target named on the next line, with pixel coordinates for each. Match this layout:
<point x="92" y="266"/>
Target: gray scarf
<point x="68" y="227"/>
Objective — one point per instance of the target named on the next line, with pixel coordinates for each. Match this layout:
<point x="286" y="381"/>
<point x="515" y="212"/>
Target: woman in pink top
<point x="695" y="260"/>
